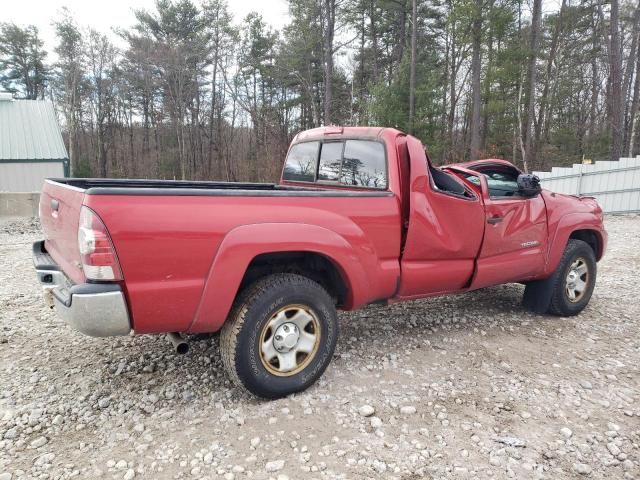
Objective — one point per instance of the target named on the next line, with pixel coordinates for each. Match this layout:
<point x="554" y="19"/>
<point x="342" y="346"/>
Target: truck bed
<point x="170" y="238"/>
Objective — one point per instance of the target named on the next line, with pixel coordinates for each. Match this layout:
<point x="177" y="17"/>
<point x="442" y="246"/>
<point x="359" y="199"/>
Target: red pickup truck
<point x="360" y="216"/>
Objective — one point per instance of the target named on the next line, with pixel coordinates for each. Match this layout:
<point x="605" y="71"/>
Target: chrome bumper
<point x="95" y="309"/>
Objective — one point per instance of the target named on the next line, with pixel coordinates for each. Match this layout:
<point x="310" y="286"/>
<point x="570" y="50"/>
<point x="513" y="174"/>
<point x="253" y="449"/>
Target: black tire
<point x="551" y="295"/>
<point x="254" y="311"/>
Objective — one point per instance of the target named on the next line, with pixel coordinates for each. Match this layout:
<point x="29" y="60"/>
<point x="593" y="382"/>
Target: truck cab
<point x="464" y="226"/>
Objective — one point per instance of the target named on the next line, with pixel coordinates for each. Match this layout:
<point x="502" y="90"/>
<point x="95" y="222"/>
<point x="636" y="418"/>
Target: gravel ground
<point x="468" y="386"/>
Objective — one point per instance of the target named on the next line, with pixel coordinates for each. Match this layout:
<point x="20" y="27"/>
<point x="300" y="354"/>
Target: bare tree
<point x="544" y="116"/>
<point x="68" y="79"/>
<point x="634" y="57"/>
<point x="412" y="74"/>
<point x="328" y="15"/>
<point x="476" y="68"/>
<point x="101" y="63"/>
<point x="616" y="111"/>
<point x="634" y="110"/>
<point x="530" y="147"/>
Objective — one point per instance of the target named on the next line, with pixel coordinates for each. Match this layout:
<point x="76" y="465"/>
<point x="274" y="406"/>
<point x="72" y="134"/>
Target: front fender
<point x="566" y="225"/>
<point x="242" y="244"/>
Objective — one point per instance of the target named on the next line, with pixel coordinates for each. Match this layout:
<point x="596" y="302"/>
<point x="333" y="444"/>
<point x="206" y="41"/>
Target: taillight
<point x="97" y="254"/>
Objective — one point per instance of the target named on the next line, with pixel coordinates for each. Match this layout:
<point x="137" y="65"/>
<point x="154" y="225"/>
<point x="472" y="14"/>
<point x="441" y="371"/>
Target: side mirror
<point x="528" y="185"/>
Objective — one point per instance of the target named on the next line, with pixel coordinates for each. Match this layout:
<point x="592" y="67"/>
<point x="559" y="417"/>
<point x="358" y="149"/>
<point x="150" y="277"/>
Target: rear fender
<point x="242" y="244"/>
<point x="568" y="224"/>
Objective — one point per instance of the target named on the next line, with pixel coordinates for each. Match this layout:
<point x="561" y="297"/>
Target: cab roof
<point x="335" y="131"/>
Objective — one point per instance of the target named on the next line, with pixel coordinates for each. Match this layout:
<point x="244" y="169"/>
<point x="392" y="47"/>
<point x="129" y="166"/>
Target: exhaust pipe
<point x="179" y="343"/>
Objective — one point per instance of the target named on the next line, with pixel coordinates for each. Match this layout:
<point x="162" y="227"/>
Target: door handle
<point x="55" y="204"/>
<point x="494" y="220"/>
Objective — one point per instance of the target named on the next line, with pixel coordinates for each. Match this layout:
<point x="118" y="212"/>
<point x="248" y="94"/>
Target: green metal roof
<point x="29" y="130"/>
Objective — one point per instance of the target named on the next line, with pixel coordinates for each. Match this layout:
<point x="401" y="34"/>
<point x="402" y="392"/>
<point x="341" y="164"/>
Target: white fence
<point x="616" y="185"/>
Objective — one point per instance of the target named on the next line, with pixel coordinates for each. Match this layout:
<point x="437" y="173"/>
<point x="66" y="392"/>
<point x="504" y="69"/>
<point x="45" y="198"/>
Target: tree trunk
<point x="329" y="26"/>
<point x="487" y="94"/>
<point x="633" y="111"/>
<point x="132" y="160"/>
<point x="627" y="87"/>
<point x="453" y="98"/>
<point x="530" y="147"/>
<point x="616" y="112"/>
<point x="445" y="96"/>
<point x="595" y="81"/>
<point x="212" y="113"/>
<point x="544" y="99"/>
<point x="400" y="40"/>
<point x="412" y="74"/>
<point x="145" y="126"/>
<point x="476" y="66"/>
<point x="73" y="124"/>
<point x="374" y="39"/>
<point x="523" y="150"/>
<point x="362" y="83"/>
<point x="102" y="152"/>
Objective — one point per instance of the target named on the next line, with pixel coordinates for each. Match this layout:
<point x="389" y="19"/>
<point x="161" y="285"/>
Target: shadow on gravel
<point x="148" y="363"/>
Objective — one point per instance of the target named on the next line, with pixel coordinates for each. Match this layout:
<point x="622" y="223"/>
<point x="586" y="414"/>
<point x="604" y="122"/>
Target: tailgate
<point x="59" y="216"/>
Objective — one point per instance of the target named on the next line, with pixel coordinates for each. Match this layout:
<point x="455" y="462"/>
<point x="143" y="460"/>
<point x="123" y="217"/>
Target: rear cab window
<point x="353" y="163"/>
<point x="302" y="162"/>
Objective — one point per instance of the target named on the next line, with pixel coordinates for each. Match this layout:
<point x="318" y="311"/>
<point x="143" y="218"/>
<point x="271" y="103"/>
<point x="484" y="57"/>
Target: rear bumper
<point x="95" y="309"/>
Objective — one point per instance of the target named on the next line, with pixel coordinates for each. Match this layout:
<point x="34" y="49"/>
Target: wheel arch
<point x="592" y="237"/>
<point x="311" y="264"/>
<point x="247" y="253"/>
<point x="542" y="296"/>
<point x="581" y="226"/>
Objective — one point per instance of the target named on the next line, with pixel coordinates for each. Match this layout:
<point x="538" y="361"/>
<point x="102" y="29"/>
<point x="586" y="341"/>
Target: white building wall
<point x="27" y="176"/>
<point x="616" y="185"/>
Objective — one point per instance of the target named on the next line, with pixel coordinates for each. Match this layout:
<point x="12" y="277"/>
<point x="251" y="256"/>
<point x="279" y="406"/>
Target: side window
<point x="330" y="161"/>
<point x="364" y="164"/>
<point x="301" y="162"/>
<point x="446" y="182"/>
<point x="501" y="183"/>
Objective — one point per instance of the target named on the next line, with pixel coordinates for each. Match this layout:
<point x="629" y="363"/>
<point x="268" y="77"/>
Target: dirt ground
<point x="469" y="386"/>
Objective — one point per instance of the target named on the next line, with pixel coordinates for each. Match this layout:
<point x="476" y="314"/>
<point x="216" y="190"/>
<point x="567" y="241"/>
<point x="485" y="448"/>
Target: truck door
<point x="445" y="230"/>
<point x="515" y="238"/>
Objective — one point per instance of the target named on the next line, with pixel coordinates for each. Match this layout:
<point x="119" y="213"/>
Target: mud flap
<point x="537" y="295"/>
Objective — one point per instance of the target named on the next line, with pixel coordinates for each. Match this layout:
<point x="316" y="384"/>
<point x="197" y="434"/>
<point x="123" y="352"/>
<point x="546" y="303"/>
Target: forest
<point x="189" y="92"/>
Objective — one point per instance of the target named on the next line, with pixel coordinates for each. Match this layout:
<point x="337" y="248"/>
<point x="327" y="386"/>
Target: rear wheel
<point x="280" y="336"/>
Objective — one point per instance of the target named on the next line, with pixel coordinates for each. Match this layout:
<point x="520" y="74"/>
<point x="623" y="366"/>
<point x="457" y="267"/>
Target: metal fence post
<point x="580" y="179"/>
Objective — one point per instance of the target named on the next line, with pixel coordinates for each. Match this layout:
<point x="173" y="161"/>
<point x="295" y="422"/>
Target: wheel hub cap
<point x="286" y="337"/>
<point x="577" y="280"/>
<point x="289" y="340"/>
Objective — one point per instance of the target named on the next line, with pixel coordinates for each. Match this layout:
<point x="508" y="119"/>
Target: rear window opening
<point x="357" y="163"/>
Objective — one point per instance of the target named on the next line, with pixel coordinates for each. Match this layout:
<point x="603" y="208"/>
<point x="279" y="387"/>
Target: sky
<point x="103" y="15"/>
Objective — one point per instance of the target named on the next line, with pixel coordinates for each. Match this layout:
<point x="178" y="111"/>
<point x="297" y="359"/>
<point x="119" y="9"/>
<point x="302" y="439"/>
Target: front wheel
<point x="568" y="290"/>
<point x="280" y="336"/>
